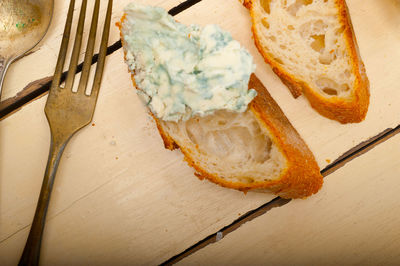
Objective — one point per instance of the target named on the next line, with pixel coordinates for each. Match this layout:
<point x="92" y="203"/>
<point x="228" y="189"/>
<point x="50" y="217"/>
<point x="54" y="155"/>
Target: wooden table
<point x="121" y="198"/>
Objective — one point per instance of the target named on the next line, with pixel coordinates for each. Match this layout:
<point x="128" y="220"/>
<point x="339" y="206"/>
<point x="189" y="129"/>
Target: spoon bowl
<point x="23" y="23"/>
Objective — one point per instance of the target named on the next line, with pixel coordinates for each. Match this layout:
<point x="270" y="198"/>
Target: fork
<point x="67" y="111"/>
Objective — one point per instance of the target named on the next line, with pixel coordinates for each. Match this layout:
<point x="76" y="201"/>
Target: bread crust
<point x="336" y="108"/>
<point x="301" y="176"/>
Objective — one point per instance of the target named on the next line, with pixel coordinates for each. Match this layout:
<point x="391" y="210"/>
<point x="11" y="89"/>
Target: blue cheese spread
<point x="183" y="71"/>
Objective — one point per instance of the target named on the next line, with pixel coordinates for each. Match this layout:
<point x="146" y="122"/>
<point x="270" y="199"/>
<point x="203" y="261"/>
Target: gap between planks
<point x="278" y="201"/>
<point x="39" y="88"/>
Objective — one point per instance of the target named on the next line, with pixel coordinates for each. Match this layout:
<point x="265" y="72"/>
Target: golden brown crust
<point x="342" y="110"/>
<point x="300" y="178"/>
<point x="169" y="142"/>
<point x="247" y="3"/>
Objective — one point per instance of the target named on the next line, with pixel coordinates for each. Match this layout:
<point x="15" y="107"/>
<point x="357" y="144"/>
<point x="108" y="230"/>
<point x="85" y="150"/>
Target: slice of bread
<point x="258" y="149"/>
<point x="311" y="46"/>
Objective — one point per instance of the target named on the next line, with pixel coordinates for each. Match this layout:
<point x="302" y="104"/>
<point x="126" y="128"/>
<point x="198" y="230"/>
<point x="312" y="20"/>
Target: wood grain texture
<point x="31" y="91"/>
<point x="352" y="221"/>
<point x="119" y="197"/>
<point x="279" y="202"/>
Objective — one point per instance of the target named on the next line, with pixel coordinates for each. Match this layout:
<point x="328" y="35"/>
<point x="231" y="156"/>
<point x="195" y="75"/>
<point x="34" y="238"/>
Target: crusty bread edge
<point x="334" y="108"/>
<point x="301" y="177"/>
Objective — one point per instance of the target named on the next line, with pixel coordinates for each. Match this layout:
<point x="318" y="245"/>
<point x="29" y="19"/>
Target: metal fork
<point x="67" y="111"/>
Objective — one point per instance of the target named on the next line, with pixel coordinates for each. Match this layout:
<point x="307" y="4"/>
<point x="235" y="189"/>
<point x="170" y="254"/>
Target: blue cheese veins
<point x="184" y="71"/>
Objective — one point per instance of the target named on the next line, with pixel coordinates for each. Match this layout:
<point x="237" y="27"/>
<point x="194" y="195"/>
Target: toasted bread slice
<point x="311" y="46"/>
<point x="257" y="149"/>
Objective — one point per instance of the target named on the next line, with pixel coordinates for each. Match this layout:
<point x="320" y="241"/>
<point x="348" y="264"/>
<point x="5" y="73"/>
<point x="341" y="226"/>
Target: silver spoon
<point x="23" y="23"/>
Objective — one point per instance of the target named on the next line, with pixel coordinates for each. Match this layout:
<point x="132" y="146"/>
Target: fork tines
<point x="67" y="112"/>
<point x="77" y="47"/>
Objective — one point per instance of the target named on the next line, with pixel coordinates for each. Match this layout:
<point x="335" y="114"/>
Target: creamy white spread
<point x="183" y="71"/>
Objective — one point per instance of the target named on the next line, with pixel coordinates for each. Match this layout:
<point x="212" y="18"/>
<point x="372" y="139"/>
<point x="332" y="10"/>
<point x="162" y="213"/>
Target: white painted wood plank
<point x="377" y="27"/>
<point x="119" y="195"/>
<point x="354" y="220"/>
<point x="42" y="62"/>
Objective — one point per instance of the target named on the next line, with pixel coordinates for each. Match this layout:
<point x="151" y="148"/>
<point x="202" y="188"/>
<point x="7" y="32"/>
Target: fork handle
<point x="31" y="253"/>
